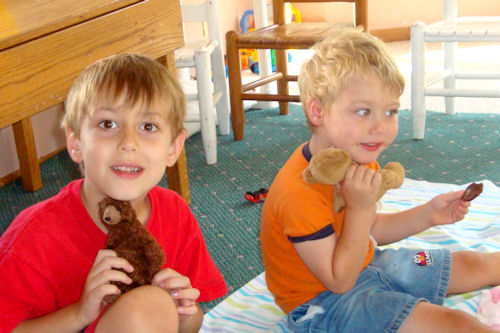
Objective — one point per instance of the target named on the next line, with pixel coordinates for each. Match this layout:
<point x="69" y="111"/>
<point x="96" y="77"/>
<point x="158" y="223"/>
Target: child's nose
<point x="128" y="141"/>
<point x="378" y="125"/>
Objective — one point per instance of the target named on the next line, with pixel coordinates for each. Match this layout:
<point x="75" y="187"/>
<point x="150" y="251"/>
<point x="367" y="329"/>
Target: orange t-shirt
<point x="294" y="208"/>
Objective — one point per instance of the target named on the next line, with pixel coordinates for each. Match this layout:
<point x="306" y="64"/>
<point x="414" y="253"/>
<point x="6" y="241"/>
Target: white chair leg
<point x="206" y="106"/>
<point x="418" y="80"/>
<point x="220" y="84"/>
<point x="450" y="63"/>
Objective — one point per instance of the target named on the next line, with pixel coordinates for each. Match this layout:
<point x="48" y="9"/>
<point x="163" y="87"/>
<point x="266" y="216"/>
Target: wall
<point x="387" y="14"/>
<point x="383" y="15"/>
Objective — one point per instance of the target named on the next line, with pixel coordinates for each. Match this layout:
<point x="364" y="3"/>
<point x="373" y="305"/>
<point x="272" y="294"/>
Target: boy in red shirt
<point x="124" y="126"/>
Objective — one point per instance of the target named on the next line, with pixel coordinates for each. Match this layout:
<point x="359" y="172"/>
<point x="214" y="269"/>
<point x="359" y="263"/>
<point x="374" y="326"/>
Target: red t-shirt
<point x="49" y="248"/>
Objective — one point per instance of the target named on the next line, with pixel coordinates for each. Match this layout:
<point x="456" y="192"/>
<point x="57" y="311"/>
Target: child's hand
<point x="447" y="208"/>
<point x="105" y="269"/>
<point x="360" y="186"/>
<point x="180" y="289"/>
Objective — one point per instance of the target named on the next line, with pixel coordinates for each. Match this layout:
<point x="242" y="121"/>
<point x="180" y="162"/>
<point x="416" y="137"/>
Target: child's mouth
<point x="371" y="146"/>
<point x="127" y="171"/>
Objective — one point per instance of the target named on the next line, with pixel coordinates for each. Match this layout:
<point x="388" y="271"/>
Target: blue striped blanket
<point x="252" y="309"/>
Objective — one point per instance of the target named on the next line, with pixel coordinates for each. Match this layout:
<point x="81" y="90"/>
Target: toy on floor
<point x="130" y="239"/>
<point x="256" y="196"/>
<point x="330" y="165"/>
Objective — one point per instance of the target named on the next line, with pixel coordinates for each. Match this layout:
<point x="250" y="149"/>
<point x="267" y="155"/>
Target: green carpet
<point x="457" y="149"/>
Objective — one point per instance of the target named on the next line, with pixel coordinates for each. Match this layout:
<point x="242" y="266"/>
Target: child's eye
<point x="363" y="112"/>
<point x="149" y="127"/>
<point x="107" y="124"/>
<point x="391" y="113"/>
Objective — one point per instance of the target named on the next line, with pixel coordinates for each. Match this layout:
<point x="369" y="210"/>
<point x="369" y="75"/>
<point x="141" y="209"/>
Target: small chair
<point x="279" y="36"/>
<point x="449" y="31"/>
<point x="207" y="58"/>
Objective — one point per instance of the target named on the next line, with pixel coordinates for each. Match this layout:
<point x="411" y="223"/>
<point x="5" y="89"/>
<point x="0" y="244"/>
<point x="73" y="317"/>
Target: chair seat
<point x="468" y="29"/>
<point x="186" y="53"/>
<point x="287" y="36"/>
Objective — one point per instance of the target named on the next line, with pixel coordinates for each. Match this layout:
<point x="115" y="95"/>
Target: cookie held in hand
<point x="472" y="191"/>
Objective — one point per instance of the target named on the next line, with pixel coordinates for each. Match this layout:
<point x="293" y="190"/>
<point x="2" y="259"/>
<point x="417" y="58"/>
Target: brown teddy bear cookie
<point x="472" y="191"/>
<point x="130" y="239"/>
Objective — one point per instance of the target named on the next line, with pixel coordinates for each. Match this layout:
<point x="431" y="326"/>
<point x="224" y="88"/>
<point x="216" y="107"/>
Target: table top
<point x="44" y="46"/>
<point x="23" y="20"/>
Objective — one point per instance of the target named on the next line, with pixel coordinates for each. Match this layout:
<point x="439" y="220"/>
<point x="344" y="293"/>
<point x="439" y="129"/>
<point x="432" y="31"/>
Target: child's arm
<point x="337" y="260"/>
<point x="445" y="208"/>
<point x="184" y="295"/>
<point x="77" y="316"/>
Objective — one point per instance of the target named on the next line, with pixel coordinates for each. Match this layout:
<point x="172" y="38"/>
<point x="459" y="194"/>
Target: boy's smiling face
<point x="363" y="119"/>
<point x="125" y="150"/>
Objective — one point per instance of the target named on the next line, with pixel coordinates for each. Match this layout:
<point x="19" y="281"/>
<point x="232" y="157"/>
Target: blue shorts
<point x="386" y="292"/>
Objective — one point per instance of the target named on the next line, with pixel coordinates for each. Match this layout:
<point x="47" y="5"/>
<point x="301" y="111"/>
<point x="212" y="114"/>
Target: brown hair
<point x="137" y="77"/>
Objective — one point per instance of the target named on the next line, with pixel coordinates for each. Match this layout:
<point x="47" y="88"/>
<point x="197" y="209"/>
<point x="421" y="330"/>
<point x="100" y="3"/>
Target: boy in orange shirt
<point x="325" y="269"/>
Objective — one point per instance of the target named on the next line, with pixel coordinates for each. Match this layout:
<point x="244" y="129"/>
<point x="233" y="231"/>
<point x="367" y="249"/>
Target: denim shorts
<point x="385" y="293"/>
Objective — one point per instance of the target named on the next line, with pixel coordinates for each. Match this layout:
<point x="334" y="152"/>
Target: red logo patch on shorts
<point x="423" y="258"/>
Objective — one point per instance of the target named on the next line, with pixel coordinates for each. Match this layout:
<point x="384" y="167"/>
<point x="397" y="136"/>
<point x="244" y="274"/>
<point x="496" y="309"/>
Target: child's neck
<point x="316" y="144"/>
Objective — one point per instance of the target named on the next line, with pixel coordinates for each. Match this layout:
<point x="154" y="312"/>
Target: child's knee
<point x="143" y="309"/>
<point x="427" y="317"/>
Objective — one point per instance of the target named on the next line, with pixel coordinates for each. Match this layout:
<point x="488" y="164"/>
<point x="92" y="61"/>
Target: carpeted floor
<point x="457" y="149"/>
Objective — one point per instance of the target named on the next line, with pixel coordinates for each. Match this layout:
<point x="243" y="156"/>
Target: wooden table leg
<point x="177" y="175"/>
<point x="26" y="153"/>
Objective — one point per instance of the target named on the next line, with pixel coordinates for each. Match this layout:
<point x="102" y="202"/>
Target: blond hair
<point x="338" y="58"/>
<point x="137" y="77"/>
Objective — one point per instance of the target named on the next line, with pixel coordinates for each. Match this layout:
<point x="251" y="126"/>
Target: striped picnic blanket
<point x="252" y="309"/>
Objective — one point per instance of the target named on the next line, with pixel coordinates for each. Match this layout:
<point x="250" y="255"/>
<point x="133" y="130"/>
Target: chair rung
<point x="192" y="97"/>
<point x="462" y="93"/>
<point x="477" y="75"/>
<point x="438" y="77"/>
<point x="270" y="97"/>
<point x="184" y="64"/>
<point x="216" y="96"/>
<point x="461" y="75"/>
<point x="261" y="81"/>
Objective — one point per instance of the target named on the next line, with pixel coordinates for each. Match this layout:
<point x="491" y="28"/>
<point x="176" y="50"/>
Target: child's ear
<point x="315" y="111"/>
<point x="176" y="148"/>
<point x="73" y="146"/>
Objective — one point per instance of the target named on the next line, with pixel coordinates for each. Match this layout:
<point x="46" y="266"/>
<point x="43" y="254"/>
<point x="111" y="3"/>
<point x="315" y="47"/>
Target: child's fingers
<point x="164" y="274"/>
<point x="186" y="296"/>
<point x="102" y="290"/>
<point x="108" y="276"/>
<point x="188" y="310"/>
<point x="110" y="262"/>
<point x="173" y="283"/>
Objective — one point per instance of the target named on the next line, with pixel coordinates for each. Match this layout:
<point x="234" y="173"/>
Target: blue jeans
<point x="385" y="293"/>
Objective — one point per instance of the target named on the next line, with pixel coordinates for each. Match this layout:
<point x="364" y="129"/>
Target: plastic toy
<point x="256" y="196"/>
<point x="249" y="58"/>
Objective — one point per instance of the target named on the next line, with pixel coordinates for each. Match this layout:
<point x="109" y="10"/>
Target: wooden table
<point x="45" y="44"/>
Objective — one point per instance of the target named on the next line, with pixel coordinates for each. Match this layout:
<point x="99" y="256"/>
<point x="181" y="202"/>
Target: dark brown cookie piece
<point x="472" y="191"/>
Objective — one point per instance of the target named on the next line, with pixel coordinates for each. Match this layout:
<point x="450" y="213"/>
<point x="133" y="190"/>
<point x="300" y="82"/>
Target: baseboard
<point x="392" y="34"/>
<point x="16" y="174"/>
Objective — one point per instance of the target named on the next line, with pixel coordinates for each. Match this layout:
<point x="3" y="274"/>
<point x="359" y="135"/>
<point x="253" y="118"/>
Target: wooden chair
<point x="206" y="57"/>
<point x="449" y="31"/>
<point x="280" y="36"/>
